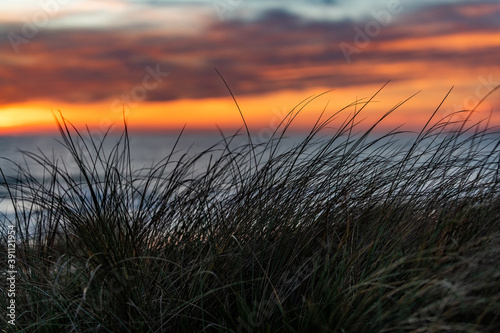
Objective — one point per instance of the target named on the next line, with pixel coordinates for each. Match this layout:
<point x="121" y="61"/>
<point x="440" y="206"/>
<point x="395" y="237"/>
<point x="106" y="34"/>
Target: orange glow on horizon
<point x="274" y="61"/>
<point x="264" y="111"/>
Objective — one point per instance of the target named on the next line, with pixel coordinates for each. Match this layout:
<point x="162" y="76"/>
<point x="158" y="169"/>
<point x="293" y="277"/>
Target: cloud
<point x="278" y="51"/>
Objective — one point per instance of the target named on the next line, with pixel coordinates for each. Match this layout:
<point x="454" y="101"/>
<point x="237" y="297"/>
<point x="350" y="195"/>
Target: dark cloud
<point x="278" y="51"/>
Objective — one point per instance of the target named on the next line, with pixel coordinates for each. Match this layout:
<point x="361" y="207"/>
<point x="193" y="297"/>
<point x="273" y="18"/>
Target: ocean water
<point x="146" y="150"/>
<point x="19" y="152"/>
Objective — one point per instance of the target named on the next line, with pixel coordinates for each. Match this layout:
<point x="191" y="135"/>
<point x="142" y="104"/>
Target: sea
<point x="146" y="149"/>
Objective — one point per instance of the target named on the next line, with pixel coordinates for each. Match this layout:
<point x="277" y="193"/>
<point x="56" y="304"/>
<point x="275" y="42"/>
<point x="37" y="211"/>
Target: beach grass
<point x="348" y="230"/>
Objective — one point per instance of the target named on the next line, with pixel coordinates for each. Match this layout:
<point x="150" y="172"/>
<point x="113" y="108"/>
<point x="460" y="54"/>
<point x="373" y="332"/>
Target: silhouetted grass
<point x="345" y="232"/>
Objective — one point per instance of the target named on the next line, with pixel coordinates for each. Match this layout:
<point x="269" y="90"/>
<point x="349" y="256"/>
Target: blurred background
<point x="154" y="61"/>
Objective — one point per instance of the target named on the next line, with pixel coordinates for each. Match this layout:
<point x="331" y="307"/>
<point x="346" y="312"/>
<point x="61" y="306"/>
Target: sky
<point x="156" y="62"/>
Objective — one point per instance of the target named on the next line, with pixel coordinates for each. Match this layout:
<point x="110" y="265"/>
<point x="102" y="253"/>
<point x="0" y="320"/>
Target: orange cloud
<point x="269" y="62"/>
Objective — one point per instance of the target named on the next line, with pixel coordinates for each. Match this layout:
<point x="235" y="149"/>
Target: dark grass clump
<point x="342" y="232"/>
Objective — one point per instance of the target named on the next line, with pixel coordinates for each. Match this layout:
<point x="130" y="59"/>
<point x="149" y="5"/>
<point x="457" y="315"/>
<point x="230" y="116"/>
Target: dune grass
<point x="345" y="232"/>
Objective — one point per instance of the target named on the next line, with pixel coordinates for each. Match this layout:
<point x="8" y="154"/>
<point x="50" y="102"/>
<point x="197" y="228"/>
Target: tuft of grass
<point x="342" y="232"/>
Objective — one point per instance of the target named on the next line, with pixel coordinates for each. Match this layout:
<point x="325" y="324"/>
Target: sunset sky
<point x="156" y="59"/>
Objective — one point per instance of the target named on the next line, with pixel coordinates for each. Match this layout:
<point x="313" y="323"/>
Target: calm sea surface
<point x="146" y="150"/>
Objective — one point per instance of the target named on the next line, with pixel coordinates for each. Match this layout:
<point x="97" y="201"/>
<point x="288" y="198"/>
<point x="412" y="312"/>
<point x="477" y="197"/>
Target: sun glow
<point x="260" y="111"/>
